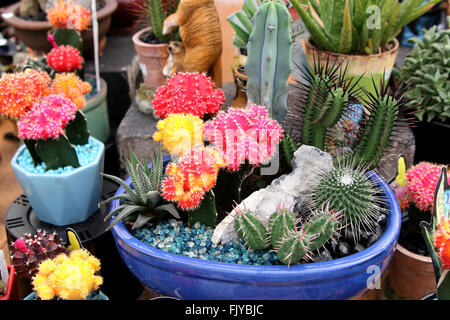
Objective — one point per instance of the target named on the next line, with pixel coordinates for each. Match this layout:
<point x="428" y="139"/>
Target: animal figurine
<point x="175" y="61"/>
<point x="200" y="32"/>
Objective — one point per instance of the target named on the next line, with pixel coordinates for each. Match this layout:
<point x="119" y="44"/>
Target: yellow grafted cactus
<point x="68" y="277"/>
<point x="401" y="172"/>
<point x="179" y="132"/>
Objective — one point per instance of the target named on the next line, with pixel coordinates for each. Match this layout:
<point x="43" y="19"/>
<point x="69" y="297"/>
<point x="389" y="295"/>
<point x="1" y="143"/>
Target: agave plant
<point x="144" y="199"/>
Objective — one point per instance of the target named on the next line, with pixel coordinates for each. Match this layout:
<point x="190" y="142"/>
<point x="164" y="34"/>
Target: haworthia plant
<point x="269" y="58"/>
<point x="358" y="26"/>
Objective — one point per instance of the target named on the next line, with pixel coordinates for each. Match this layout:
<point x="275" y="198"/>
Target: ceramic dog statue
<point x="200" y="32"/>
<point x="175" y="60"/>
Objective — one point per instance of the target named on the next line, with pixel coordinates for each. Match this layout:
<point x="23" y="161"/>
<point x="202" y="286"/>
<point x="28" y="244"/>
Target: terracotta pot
<point x="367" y="66"/>
<point x="152" y="58"/>
<point x="411" y="275"/>
<point x="240" y="81"/>
<point x="34" y="33"/>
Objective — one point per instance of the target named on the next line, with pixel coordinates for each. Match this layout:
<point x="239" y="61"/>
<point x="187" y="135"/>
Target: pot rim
<point x="16" y="22"/>
<point x="309" y="272"/>
<point x="413" y="255"/>
<point x="65" y="175"/>
<point x="140" y="43"/>
<point x="307" y="43"/>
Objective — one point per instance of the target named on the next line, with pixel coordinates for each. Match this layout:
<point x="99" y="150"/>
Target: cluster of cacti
<point x="145" y="198"/>
<point x="28" y="252"/>
<point x="428" y="66"/>
<point x="321" y="101"/>
<point x="192" y="93"/>
<point x="358" y="26"/>
<point x="269" y="58"/>
<point x="69" y="277"/>
<point x="382" y="125"/>
<point x="291" y="243"/>
<point x="157" y="11"/>
<point x="351" y="191"/>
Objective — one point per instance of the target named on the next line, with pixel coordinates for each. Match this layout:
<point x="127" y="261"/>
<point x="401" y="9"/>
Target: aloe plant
<point x="144" y="198"/>
<point x="358" y="26"/>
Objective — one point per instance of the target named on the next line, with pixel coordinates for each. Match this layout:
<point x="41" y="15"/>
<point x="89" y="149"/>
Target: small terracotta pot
<point x="367" y="66"/>
<point x="152" y="59"/>
<point x="411" y="275"/>
<point x="34" y="33"/>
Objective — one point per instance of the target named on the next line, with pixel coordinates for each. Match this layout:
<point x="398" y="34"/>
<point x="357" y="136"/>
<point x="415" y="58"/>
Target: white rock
<point x="288" y="190"/>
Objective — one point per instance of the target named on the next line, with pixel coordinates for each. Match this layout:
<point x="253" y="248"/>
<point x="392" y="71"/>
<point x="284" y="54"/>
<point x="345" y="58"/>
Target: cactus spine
<point x="269" y="58"/>
<point x="251" y="230"/>
<point x="291" y="244"/>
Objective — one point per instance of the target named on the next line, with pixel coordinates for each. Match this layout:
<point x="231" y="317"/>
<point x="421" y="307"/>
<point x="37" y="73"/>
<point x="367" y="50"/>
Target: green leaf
<point x="122" y="196"/>
<point x="129" y="209"/>
<point x="206" y="213"/>
<point x="345" y="43"/>
<point x="57" y="153"/>
<point x="170" y="208"/>
<point x="124" y="185"/>
<point x="141" y="221"/>
<point x="77" y="131"/>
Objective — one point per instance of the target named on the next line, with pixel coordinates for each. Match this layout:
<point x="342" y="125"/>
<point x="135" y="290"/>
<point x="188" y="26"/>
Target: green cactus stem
<point x="293" y="248"/>
<point x="281" y="223"/>
<point x="76" y="130"/>
<point x="251" y="230"/>
<point x="269" y="58"/>
<point x="57" y="153"/>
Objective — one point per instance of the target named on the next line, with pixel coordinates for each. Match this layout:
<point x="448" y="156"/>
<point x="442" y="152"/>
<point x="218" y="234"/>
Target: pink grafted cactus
<point x="188" y="93"/>
<point x="422" y="181"/>
<point x="244" y="134"/>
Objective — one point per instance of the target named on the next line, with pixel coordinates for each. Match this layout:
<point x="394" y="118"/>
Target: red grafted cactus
<point x="30" y="251"/>
<point x="244" y="134"/>
<point x="65" y="59"/>
<point x="188" y="93"/>
<point x="422" y="181"/>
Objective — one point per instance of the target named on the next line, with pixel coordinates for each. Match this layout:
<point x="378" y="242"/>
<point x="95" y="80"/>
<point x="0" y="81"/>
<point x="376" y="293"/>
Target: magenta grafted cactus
<point x="244" y="134"/>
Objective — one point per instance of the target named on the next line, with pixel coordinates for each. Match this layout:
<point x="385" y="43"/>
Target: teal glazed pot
<point x="96" y="112"/>
<point x="67" y="198"/>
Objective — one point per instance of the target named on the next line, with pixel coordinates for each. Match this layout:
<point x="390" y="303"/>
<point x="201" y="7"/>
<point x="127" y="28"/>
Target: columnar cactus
<point x="290" y="243"/>
<point x="269" y="58"/>
<point x="251" y="230"/>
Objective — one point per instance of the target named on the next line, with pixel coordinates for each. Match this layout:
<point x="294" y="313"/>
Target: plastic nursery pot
<point x="66" y="198"/>
<point x="367" y="66"/>
<point x="96" y="112"/>
<point x="34" y="33"/>
<point x="411" y="275"/>
<point x="189" y="278"/>
<point x="93" y="296"/>
<point x="152" y="58"/>
<point x="11" y="289"/>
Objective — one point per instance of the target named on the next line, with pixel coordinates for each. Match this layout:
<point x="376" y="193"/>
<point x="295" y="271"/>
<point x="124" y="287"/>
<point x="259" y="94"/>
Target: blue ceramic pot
<point x="189" y="278"/>
<point x="93" y="296"/>
<point x="66" y="198"/>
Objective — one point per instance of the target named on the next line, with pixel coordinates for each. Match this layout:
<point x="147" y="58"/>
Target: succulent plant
<point x="349" y="189"/>
<point x="251" y="230"/>
<point x="358" y="26"/>
<point x="320" y="101"/>
<point x="269" y="58"/>
<point x="242" y="22"/>
<point x="282" y="234"/>
<point x="428" y="65"/>
<point x="28" y="252"/>
<point x="145" y="198"/>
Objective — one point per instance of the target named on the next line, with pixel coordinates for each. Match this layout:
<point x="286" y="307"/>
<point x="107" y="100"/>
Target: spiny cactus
<point x="145" y="199"/>
<point x="269" y="58"/>
<point x="290" y="243"/>
<point x="157" y="11"/>
<point x="251" y="230"/>
<point x="320" y="101"/>
<point x="382" y="125"/>
<point x="350" y="190"/>
<point x="288" y="148"/>
<point x="30" y="251"/>
<point x="281" y="223"/>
